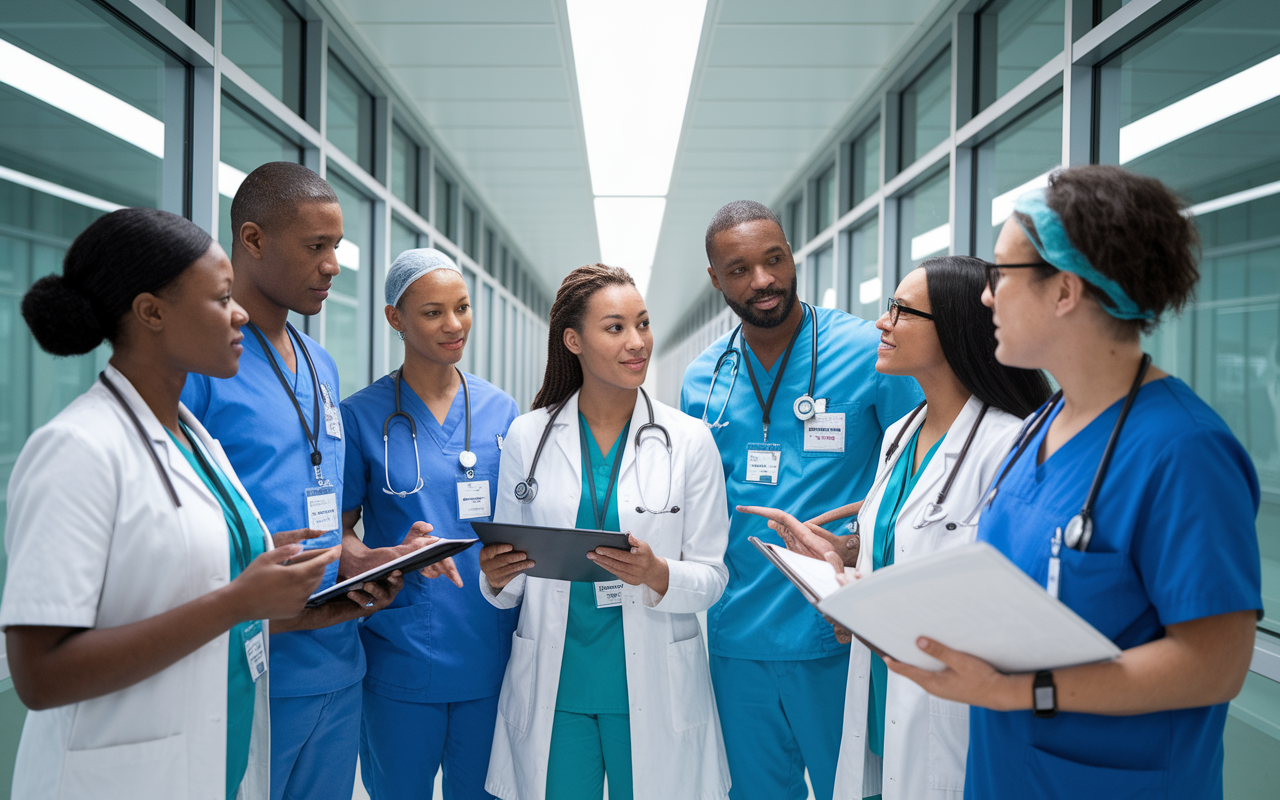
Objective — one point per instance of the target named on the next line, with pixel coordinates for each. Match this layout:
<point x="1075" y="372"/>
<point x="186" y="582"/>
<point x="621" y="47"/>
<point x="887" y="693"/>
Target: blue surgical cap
<point x="411" y="265"/>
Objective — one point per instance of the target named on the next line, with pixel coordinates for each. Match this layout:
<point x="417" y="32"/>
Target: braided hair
<point x="564" y="372"/>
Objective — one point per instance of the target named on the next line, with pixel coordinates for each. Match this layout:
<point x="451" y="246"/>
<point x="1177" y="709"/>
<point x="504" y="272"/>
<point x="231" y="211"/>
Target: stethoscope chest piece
<point x="804" y="407"/>
<point x="467" y="459"/>
<point x="526" y="490"/>
<point x="1078" y="532"/>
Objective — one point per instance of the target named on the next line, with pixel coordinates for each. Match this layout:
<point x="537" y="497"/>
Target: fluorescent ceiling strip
<point x="1002" y="205"/>
<point x="628" y="228"/>
<point x="869" y="291"/>
<point x="1210" y="105"/>
<point x="79" y="98"/>
<point x="1234" y="199"/>
<point x="634" y="63"/>
<point x="229" y="179"/>
<point x="930" y="242"/>
<point x="348" y="253"/>
<point x="57" y="190"/>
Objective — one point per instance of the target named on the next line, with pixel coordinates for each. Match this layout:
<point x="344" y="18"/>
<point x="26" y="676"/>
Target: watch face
<point x="1044" y="698"/>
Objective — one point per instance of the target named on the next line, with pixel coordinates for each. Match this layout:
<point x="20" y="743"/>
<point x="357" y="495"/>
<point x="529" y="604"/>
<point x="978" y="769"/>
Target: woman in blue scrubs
<point x="435" y="662"/>
<point x="1170" y="570"/>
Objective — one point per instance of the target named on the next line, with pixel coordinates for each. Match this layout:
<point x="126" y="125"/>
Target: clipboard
<point x="558" y="553"/>
<point x="409" y="562"/>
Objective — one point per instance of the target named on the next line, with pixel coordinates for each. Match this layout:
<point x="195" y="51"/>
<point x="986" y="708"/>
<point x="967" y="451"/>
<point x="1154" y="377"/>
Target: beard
<point x="774" y="316"/>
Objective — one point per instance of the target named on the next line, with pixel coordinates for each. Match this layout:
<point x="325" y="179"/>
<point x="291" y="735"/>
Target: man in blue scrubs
<point x="778" y="672"/>
<point x="279" y="423"/>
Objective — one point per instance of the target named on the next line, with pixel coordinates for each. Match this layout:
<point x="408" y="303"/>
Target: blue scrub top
<point x="255" y="422"/>
<point x="761" y="616"/>
<point x="435" y="643"/>
<point x="1173" y="541"/>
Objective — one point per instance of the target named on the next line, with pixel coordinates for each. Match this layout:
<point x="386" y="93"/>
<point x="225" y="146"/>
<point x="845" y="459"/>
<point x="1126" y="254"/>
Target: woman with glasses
<point x="1131" y="501"/>
<point x="934" y="464"/>
<point x="423" y="446"/>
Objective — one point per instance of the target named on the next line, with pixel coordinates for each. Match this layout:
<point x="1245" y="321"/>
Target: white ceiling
<point x="494" y="78"/>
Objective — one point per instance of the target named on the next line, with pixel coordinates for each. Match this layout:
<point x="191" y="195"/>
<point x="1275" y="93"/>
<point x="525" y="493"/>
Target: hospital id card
<point x="255" y="649"/>
<point x="332" y="417"/>
<point x="608" y="594"/>
<point x="473" y="499"/>
<point x="824" y="433"/>
<point x="763" y="463"/>
<point x="322" y="509"/>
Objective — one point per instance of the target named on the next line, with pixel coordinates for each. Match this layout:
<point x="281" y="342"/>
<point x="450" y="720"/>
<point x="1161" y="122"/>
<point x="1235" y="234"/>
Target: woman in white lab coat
<point x="134" y="608"/>
<point x="934" y="465"/>
<point x="611" y="677"/>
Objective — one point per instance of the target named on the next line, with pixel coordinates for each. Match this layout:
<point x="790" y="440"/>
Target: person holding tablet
<point x="141" y="577"/>
<point x="612" y="677"/>
<point x="1128" y="498"/>
<point x="934" y="465"/>
<point x="434" y="658"/>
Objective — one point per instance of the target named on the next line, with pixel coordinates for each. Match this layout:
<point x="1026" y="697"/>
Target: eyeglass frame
<point x="894" y="309"/>
<point x="993" y="275"/>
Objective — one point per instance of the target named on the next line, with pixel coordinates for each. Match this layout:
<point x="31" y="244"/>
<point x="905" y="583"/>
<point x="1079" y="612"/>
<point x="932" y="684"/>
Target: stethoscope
<point x="527" y="489"/>
<point x="1079" y="530"/>
<point x="466" y="458"/>
<point x="933" y="511"/>
<point x="804" y="407"/>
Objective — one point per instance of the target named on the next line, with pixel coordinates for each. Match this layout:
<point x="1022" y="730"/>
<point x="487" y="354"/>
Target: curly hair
<point x="1131" y="228"/>
<point x="564" y="372"/>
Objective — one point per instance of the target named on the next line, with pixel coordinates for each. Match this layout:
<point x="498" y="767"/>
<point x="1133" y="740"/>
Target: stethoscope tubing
<point x="734" y="356"/>
<point x="463" y="457"/>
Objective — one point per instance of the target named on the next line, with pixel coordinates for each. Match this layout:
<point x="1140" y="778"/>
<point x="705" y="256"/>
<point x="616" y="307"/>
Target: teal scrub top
<point x="897" y="489"/>
<point x="593" y="670"/>
<point x="240" y="692"/>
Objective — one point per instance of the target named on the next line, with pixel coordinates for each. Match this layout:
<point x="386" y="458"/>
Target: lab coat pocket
<point x="150" y="770"/>
<point x="948" y="744"/>
<point x="1087" y="780"/>
<point x="515" y="703"/>
<point x="690" y="679"/>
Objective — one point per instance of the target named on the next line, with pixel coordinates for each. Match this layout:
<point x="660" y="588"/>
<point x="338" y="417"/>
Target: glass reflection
<point x="1016" y="160"/>
<point x="265" y="38"/>
<point x="926" y="110"/>
<point x="1014" y="39"/>
<point x="924" y="223"/>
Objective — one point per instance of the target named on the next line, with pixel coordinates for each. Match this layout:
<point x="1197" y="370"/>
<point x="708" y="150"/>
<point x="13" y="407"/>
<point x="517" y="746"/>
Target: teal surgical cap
<point x="1054" y="246"/>
<point x="411" y="265"/>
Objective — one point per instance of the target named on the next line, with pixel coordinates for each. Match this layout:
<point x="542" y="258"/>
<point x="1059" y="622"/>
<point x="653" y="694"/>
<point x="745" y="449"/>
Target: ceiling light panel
<point x="628" y="229"/>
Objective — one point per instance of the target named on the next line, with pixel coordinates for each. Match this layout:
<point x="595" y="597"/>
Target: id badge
<point x="473" y="499"/>
<point x="255" y="649"/>
<point x="322" y="509"/>
<point x="332" y="416"/>
<point x="763" y="463"/>
<point x="608" y="594"/>
<point x="824" y="433"/>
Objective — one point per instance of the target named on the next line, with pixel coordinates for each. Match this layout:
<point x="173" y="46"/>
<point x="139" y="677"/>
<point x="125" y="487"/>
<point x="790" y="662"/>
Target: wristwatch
<point x="1044" y="696"/>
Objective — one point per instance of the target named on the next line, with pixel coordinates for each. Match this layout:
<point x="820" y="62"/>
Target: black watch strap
<point x="1044" y="695"/>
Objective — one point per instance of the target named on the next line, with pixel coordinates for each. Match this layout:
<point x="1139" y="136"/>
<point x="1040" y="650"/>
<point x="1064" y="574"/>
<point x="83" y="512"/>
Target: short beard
<point x="766" y="319"/>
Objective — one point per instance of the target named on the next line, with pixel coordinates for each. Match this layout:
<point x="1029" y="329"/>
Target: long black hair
<point x="968" y="337"/>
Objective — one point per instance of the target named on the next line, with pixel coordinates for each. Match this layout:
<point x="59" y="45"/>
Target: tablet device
<point x="409" y="562"/>
<point x="557" y="553"/>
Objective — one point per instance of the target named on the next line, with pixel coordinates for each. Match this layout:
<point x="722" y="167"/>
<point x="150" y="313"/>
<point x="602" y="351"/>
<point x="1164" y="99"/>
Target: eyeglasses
<point x="993" y="271"/>
<point x="897" y="309"/>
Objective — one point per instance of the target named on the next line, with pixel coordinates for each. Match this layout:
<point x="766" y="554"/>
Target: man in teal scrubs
<point x="778" y="672"/>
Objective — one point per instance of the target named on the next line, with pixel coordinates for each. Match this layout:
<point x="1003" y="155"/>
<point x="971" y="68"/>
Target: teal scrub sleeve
<point x="355" y="472"/>
<point x="195" y="395"/>
<point x="1198" y="551"/>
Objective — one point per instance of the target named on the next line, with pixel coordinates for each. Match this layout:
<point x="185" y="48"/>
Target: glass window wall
<point x="265" y="39"/>
<point x="924" y="223"/>
<point x="824" y="204"/>
<point x="864" y="165"/>
<point x="470" y="231"/>
<point x="446" y="220"/>
<point x="344" y="321"/>
<point x="824" y="278"/>
<point x="1014" y="39"/>
<point x="864" y="285"/>
<point x="926" y="110"/>
<point x="247" y="143"/>
<point x="349" y="118"/>
<point x="795" y="224"/>
<point x="404" y="167"/>
<point x="1012" y="162"/>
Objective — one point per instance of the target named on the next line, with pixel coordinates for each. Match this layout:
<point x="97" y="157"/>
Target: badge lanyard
<point x="596" y="509"/>
<point x="313" y="437"/>
<point x="767" y="405"/>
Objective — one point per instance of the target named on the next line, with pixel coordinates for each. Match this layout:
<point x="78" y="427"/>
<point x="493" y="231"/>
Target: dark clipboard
<point x="409" y="562"/>
<point x="558" y="553"/>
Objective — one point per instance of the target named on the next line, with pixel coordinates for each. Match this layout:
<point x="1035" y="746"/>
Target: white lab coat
<point x="94" y="541"/>
<point x="926" y="739"/>
<point x="677" y="747"/>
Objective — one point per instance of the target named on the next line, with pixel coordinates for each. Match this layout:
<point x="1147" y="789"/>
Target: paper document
<point x="815" y="579"/>
<point x="972" y="599"/>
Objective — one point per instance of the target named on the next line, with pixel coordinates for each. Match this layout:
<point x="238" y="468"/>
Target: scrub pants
<point x="583" y="748"/>
<point x="314" y="741"/>
<point x="779" y="717"/>
<point x="403" y="744"/>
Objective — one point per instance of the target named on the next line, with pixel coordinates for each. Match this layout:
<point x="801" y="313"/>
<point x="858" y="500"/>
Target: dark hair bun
<point x="61" y="319"/>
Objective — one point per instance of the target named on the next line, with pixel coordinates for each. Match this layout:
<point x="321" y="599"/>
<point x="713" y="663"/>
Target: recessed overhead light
<point x="931" y="242"/>
<point x="628" y="228"/>
<point x="1210" y="105"/>
<point x="57" y="190"/>
<point x="79" y="98"/>
<point x="1234" y="199"/>
<point x="1002" y="205"/>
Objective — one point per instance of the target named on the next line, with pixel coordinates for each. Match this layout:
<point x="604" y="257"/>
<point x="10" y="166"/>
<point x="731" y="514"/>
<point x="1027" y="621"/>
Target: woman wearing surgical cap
<point x="1155" y="547"/>
<point x="423" y="445"/>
